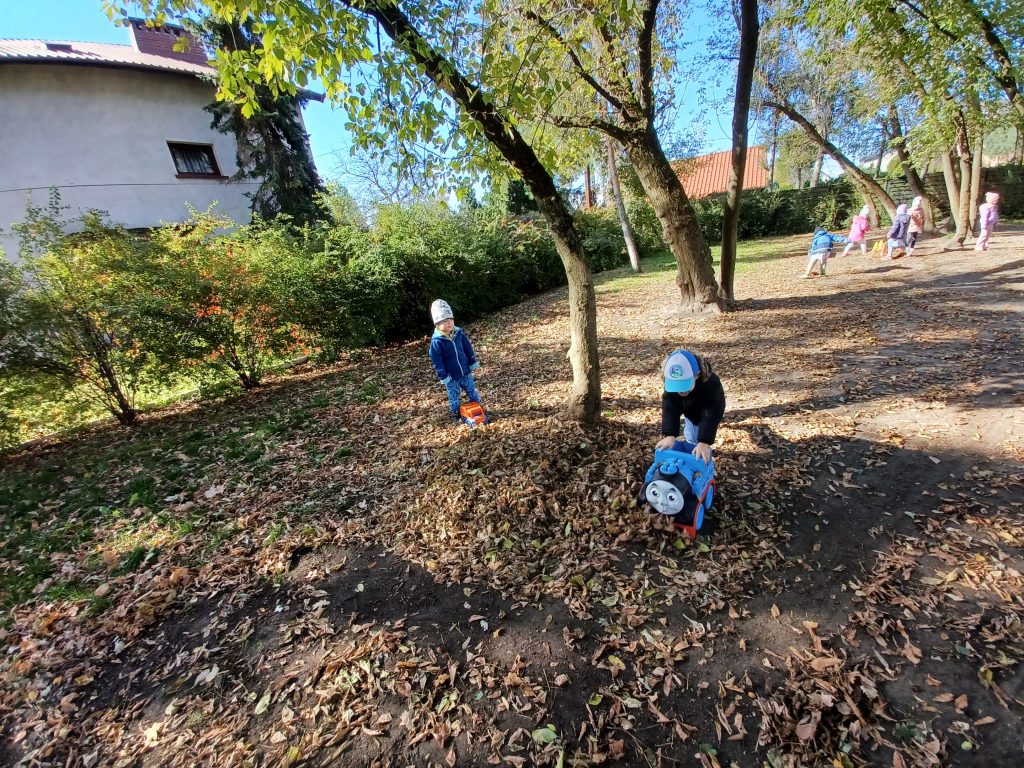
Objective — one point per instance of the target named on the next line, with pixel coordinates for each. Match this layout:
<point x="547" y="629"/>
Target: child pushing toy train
<point x="680" y="482"/>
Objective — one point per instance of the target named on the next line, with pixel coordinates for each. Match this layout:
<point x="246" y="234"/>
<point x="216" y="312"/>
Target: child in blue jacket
<point x="453" y="357"/>
<point x="823" y="243"/>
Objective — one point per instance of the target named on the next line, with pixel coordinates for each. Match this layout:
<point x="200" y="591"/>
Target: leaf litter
<point x="321" y="579"/>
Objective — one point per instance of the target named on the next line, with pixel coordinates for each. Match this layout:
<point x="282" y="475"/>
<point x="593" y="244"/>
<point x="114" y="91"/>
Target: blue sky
<point x="85" y="20"/>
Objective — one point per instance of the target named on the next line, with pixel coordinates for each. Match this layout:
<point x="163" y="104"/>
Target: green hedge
<point x="377" y="285"/>
<point x="764" y="213"/>
<point x="106" y="319"/>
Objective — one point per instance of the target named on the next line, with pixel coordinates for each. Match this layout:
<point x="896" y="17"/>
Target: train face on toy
<point x="680" y="486"/>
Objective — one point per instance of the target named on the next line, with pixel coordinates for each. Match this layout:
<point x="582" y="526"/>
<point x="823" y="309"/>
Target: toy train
<point x="473" y="415"/>
<point x="680" y="486"/>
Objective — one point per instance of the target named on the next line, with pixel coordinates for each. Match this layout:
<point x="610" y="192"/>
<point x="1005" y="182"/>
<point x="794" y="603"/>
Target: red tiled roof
<point x="709" y="174"/>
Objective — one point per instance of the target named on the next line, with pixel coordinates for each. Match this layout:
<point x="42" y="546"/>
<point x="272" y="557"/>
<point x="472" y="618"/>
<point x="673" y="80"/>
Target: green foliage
<point x="271" y="142"/>
<point x="764" y="212"/>
<point x="110" y="320"/>
<point x="342" y="207"/>
<point x="74" y="317"/>
<point x="237" y="293"/>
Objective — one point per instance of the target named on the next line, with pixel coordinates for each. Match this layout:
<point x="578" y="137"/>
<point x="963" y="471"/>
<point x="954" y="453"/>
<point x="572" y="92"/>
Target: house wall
<point x="99" y="135"/>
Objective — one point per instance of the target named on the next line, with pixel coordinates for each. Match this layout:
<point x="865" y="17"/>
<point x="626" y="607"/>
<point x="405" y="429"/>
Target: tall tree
<point x="802" y="76"/>
<point x="620" y="207"/>
<point x="571" y="56"/>
<point x="300" y="38"/>
<point x="749" y="28"/>
<point x="272" y="146"/>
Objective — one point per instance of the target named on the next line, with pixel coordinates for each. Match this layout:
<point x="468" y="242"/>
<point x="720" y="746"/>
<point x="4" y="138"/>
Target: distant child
<point x="897" y="234"/>
<point x="916" y="225"/>
<point x="988" y="217"/>
<point x="859" y="231"/>
<point x="822" y="244"/>
<point x="694" y="395"/>
<point x="453" y="357"/>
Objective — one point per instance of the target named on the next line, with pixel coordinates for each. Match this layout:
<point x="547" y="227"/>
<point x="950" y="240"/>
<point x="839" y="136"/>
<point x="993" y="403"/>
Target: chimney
<point x="161" y="41"/>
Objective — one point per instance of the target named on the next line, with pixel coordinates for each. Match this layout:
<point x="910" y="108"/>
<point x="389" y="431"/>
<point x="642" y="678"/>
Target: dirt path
<point x="331" y="575"/>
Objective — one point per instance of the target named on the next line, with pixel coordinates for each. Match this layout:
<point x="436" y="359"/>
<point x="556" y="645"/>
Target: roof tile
<point x="709" y="174"/>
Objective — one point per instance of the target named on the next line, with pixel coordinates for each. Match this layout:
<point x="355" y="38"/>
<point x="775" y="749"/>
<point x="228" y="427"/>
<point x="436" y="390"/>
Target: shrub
<point x="236" y="293"/>
<point x="646" y="227"/>
<point x="74" y="319"/>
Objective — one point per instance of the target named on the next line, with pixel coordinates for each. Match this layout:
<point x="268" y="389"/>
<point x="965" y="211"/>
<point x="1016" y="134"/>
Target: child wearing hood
<point x="897" y="234"/>
<point x="988" y="217"/>
<point x="453" y="357"/>
<point x="822" y="244"/>
<point x="916" y="225"/>
<point x="858" y="231"/>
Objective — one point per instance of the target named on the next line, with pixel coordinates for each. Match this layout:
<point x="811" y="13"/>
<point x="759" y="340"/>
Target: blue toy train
<point x="680" y="486"/>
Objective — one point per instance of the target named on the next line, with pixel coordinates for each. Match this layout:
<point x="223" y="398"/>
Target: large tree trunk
<point x="749" y="32"/>
<point x="914" y="181"/>
<point x="620" y="207"/>
<point x="585" y="398"/>
<point x="695" y="276"/>
<point x="859" y="177"/>
<point x="588" y="188"/>
<point x="949" y="176"/>
<point x="963" y="148"/>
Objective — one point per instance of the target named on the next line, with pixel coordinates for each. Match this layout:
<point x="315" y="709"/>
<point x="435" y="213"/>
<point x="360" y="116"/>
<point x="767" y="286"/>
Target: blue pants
<point x="689" y="431"/>
<point x="455" y="388"/>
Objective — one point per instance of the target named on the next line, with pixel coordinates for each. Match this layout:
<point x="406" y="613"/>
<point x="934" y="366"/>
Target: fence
<point x="1007" y="180"/>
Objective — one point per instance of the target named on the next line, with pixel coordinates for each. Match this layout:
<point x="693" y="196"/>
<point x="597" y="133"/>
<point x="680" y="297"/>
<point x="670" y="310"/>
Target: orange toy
<point x="473" y="414"/>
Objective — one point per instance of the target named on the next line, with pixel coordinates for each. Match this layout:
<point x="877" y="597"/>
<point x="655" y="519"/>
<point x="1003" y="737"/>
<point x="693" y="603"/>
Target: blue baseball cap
<point x="681" y="371"/>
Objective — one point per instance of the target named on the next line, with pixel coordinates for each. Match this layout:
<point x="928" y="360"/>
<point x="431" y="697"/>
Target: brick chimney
<point x="161" y="41"/>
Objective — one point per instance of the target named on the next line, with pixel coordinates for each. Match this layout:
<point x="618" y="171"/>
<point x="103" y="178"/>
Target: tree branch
<point x="593" y="124"/>
<point x="645" y="53"/>
<point x="548" y="27"/>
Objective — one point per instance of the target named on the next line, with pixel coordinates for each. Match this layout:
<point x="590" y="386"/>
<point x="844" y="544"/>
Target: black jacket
<point x="704" y="406"/>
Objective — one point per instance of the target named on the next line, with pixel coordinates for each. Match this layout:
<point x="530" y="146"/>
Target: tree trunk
<point x="976" y="167"/>
<point x="1018" y="148"/>
<point x="863" y="180"/>
<point x="620" y="206"/>
<point x="963" y="148"/>
<point x="695" y="277"/>
<point x="816" y="168"/>
<point x="914" y="180"/>
<point x="588" y="188"/>
<point x="585" y="397"/>
<point x="881" y="151"/>
<point x="749" y="32"/>
<point x="949" y="176"/>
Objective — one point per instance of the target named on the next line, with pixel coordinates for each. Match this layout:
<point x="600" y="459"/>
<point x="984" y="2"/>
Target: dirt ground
<point x="328" y="573"/>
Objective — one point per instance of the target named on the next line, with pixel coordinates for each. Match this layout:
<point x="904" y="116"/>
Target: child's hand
<point x="665" y="443"/>
<point x="703" y="452"/>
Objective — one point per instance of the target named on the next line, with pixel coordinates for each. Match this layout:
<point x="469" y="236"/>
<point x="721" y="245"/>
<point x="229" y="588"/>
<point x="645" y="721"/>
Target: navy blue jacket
<point x="704" y="407"/>
<point x="453" y="358"/>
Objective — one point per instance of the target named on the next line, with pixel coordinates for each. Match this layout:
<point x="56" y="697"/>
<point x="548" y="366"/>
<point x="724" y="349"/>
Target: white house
<point x="116" y="128"/>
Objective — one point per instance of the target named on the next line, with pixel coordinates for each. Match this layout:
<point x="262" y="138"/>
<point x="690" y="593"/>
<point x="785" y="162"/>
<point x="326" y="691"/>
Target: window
<point x="194" y="160"/>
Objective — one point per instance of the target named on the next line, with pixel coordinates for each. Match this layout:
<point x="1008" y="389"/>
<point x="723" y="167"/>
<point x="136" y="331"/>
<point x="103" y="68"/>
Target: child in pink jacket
<point x="988" y="217"/>
<point x="859" y="231"/>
